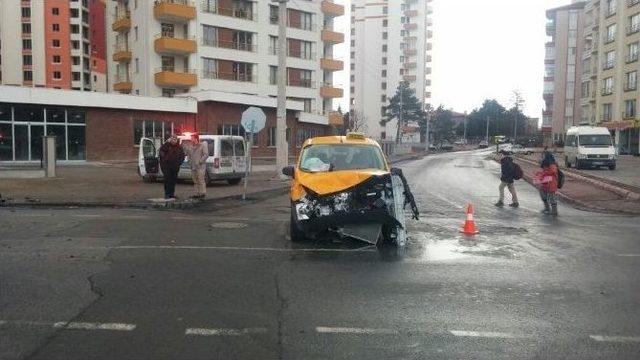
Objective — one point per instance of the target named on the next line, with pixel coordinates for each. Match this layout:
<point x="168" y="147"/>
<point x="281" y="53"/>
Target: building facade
<point x="390" y="43"/>
<point x="563" y="70"/>
<point x="55" y="43"/>
<point x="609" y="91"/>
<point x="172" y="47"/>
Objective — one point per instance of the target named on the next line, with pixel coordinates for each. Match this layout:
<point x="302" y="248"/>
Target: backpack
<point x="518" y="173"/>
<point x="560" y="179"/>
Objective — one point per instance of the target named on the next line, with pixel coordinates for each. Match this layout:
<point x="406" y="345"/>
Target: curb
<point x="181" y="205"/>
<point x="624" y="193"/>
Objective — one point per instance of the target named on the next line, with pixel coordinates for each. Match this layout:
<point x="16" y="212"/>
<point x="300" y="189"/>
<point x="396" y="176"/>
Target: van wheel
<point x="234" y="181"/>
<point x="567" y="164"/>
<point x="612" y="167"/>
<point x="578" y="165"/>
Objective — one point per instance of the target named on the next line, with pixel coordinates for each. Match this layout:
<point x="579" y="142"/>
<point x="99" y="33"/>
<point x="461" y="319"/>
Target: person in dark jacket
<point x="171" y="158"/>
<point x="507" y="179"/>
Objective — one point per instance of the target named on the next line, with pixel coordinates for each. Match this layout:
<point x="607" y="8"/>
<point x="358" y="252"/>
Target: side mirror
<point x="396" y="171"/>
<point x="288" y="171"/>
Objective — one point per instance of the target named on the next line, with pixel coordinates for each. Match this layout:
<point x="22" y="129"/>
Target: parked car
<point x="483" y="144"/>
<point x="446" y="146"/>
<point x="519" y="149"/>
<point x="344" y="185"/>
<point x="589" y="146"/>
<point x="432" y="147"/>
<point x="460" y="142"/>
<point x="227" y="158"/>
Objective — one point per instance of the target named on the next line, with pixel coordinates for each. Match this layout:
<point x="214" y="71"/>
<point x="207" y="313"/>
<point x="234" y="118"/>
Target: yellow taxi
<point x="344" y="185"/>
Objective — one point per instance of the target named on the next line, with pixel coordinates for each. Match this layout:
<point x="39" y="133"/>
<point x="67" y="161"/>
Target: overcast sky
<point x="481" y="49"/>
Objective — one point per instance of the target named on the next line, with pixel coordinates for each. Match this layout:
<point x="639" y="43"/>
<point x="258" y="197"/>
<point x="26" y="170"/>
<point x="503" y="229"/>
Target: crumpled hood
<point x="331" y="182"/>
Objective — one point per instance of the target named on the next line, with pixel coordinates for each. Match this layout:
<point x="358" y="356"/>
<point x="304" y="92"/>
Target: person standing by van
<point x="171" y="157"/>
<point x="198" y="153"/>
<point x="547" y="181"/>
<point x="507" y="178"/>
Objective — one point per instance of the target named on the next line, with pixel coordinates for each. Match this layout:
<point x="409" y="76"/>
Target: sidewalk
<point x="115" y="185"/>
<point x="584" y="194"/>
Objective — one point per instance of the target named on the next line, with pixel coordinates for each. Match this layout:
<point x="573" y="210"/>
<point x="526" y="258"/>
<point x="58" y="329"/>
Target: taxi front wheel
<point x="295" y="234"/>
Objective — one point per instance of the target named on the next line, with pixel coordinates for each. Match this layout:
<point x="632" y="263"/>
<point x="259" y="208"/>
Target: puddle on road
<point x="429" y="247"/>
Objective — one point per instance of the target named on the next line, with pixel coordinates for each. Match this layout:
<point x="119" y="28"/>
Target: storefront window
<point x="21" y="133"/>
<point x="76" y="116"/>
<point x="37" y="131"/>
<point x="5" y="112"/>
<point x="55" y="115"/>
<point x="138" y="131"/>
<point x="30" y="113"/>
<point x="6" y="142"/>
<point x="77" y="143"/>
<point x="61" y="140"/>
<point x="152" y="129"/>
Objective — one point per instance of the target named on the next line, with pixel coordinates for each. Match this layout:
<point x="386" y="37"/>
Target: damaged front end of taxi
<point x="372" y="211"/>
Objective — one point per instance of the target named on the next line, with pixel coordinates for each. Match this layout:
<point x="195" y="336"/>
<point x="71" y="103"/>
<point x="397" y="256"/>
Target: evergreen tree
<point x="405" y="99"/>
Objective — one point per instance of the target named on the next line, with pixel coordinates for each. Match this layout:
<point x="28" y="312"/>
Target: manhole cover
<point x="228" y="225"/>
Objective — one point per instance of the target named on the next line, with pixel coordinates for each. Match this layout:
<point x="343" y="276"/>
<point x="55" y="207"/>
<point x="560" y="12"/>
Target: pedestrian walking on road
<point x="509" y="174"/>
<point x="198" y="153"/>
<point x="547" y="182"/>
<point x="171" y="157"/>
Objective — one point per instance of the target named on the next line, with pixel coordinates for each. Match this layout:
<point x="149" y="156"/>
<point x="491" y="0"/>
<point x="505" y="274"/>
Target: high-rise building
<point x="390" y="43"/>
<point x="169" y="47"/>
<point x="54" y="43"/>
<point x="563" y="70"/>
<point x="609" y="91"/>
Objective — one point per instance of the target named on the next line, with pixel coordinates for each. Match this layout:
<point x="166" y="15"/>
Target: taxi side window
<point x="226" y="148"/>
<point x="239" y="146"/>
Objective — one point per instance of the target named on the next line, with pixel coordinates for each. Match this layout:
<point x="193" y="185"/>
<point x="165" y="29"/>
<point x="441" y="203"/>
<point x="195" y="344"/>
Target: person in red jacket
<point x="547" y="182"/>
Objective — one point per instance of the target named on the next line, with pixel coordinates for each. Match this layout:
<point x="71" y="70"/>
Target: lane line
<point x="224" y="332"/>
<point x="94" y="326"/>
<point x="616" y="339"/>
<point x="25" y="323"/>
<point x="629" y="255"/>
<point x="355" y="330"/>
<point x="486" y="334"/>
<point x="230" y="248"/>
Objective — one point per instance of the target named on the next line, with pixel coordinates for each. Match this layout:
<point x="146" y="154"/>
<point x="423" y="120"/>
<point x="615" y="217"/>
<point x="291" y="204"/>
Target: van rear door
<point x="240" y="156"/>
<point x="226" y="155"/>
<point x="148" y="162"/>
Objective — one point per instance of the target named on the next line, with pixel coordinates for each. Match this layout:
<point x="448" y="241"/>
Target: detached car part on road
<point x="343" y="184"/>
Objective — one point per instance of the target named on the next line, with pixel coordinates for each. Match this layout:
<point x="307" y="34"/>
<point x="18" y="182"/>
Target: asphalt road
<point x="227" y="284"/>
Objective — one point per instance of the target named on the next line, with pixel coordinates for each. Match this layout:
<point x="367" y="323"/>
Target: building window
<point x="585" y="90"/>
<point x="610" y="60"/>
<point x="56" y="59"/>
<point x="384" y="73"/>
<point x="385" y="10"/>
<point x="26" y="44"/>
<point x="384" y="48"/>
<point x="75" y="76"/>
<point x="27" y="60"/>
<point x="611" y="7"/>
<point x="26" y="12"/>
<point x="209" y="35"/>
<point x="384" y="61"/>
<point x="135" y="33"/>
<point x="152" y="129"/>
<point x="385" y="35"/>
<point x="384" y="86"/>
<point x="57" y="75"/>
<point x="383" y="98"/>
<point x="607" y="86"/>
<point x="630" y="109"/>
<point x="634" y="24"/>
<point x="26" y="28"/>
<point x="606" y="112"/>
<point x="137" y="65"/>
<point x="56" y="27"/>
<point x="631" y="81"/>
<point x="75" y="60"/>
<point x="610" y="35"/>
<point x="55" y="11"/>
<point x="55" y="43"/>
<point x="209" y="68"/>
<point x="75" y="45"/>
<point x="271" y="139"/>
<point x="385" y="23"/>
<point x="632" y="52"/>
<point x="75" y="29"/>
<point x="74" y="13"/>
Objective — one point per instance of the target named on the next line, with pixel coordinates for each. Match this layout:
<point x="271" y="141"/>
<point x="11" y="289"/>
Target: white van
<point x="588" y="146"/>
<point x="227" y="158"/>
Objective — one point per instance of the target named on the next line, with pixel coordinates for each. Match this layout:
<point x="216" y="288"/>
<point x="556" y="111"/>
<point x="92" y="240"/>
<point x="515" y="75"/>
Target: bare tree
<point x="355" y="121"/>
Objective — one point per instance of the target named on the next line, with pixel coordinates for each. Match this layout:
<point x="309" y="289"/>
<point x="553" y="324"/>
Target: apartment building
<point x="563" y="70"/>
<point x="609" y="91"/>
<point x="390" y="43"/>
<point x="173" y="47"/>
<point x="54" y="43"/>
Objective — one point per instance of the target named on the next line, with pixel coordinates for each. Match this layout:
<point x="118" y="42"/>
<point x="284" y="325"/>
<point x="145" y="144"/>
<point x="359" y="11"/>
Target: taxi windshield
<point x="324" y="158"/>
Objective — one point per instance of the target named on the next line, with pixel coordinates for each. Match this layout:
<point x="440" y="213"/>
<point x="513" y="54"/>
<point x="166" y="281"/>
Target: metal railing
<point x="175" y="69"/>
<point x="630" y="86"/>
<point x="233" y="45"/>
<point x="633" y="28"/>
<point x="120" y="47"/>
<point x="172" y="35"/>
<point x="273" y="19"/>
<point x="120" y="78"/>
<point x="178" y="2"/>
<point x="606" y="91"/>
<point x="609" y="38"/>
<point x="247" y="14"/>
<point x="121" y="14"/>
<point x="294" y="54"/>
<point x="608" y="64"/>
<point x="632" y="57"/>
<point x="230" y="76"/>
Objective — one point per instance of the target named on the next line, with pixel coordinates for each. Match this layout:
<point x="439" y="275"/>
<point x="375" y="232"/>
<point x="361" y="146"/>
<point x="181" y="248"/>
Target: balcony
<point x="330" y="92"/>
<point x="122" y="21"/>
<point x="230" y="76"/>
<point x="170" y="77"/>
<point x="245" y="13"/>
<point x="331" y="64"/>
<point x="410" y="52"/>
<point x="608" y="65"/>
<point x="551" y="29"/>
<point x="606" y="91"/>
<point x="410" y="26"/>
<point x="332" y="37"/>
<point x="335" y="119"/>
<point x="409" y="39"/>
<point x="174" y="10"/>
<point x="331" y="9"/>
<point x="410" y="65"/>
<point x="633" y="29"/>
<point x="234" y="45"/>
<point x="169" y="45"/>
<point x="608" y="39"/>
<point x="411" y="13"/>
<point x="121" y="53"/>
<point x="410" y="78"/>
<point x="122" y="84"/>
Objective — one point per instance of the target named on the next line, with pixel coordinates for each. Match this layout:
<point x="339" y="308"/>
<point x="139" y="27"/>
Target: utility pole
<point x="487" y="136"/>
<point x="282" y="149"/>
<point x="401" y="117"/>
<point x="465" y="128"/>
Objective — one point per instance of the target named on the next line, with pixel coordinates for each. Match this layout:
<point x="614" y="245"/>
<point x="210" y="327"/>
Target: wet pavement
<point x="226" y="283"/>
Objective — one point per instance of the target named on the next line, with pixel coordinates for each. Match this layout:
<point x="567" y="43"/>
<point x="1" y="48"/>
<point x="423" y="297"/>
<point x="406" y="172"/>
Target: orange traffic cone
<point x="469" y="225"/>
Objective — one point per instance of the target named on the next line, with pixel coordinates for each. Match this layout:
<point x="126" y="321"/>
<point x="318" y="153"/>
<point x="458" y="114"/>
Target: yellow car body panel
<point x="325" y="183"/>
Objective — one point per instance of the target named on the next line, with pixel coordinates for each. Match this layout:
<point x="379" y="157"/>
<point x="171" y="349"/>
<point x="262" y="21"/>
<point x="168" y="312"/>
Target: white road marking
<point x="232" y="248"/>
<point x="224" y="332"/>
<point x="486" y="334"/>
<point x="354" y="330"/>
<point x="629" y="255"/>
<point x="25" y="323"/>
<point x="94" y="326"/>
<point x="616" y="339"/>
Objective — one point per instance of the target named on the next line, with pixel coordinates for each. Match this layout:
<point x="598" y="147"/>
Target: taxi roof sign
<point x="355" y="136"/>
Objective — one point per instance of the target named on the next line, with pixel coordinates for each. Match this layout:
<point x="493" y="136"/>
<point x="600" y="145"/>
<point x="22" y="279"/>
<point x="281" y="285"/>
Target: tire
<point x="234" y="181"/>
<point x="612" y="167"/>
<point x="295" y="234"/>
<point x="567" y="164"/>
<point x="578" y="165"/>
<point x="207" y="178"/>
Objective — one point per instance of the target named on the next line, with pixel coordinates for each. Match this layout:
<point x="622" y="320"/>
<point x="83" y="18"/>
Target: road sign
<point x="253" y="120"/>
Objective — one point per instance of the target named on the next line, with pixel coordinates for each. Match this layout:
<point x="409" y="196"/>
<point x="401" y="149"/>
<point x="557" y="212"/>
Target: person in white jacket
<point x="198" y="153"/>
